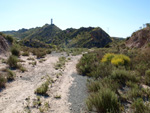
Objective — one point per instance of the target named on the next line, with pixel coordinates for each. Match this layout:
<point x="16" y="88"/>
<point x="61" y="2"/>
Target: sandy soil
<point x="70" y="87"/>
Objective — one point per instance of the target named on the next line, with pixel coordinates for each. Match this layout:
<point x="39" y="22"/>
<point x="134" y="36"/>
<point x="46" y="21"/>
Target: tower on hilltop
<point x="51" y="21"/>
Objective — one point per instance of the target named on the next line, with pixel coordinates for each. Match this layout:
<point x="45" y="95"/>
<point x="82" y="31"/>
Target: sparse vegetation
<point x="119" y="77"/>
<point x="61" y="63"/>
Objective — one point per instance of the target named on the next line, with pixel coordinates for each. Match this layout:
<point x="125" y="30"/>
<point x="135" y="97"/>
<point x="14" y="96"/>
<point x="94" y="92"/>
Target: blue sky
<point x="119" y="18"/>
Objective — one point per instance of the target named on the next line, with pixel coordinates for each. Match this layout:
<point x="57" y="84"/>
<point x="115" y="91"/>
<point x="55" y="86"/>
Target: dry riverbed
<point x="66" y="94"/>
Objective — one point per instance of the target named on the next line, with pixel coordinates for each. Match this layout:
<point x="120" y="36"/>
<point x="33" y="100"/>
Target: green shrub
<point x="140" y="107"/>
<point x="94" y="86"/>
<point x="131" y="84"/>
<point x="10" y="75"/>
<point x="140" y="61"/>
<point x="15" y="50"/>
<point x="100" y="70"/>
<point x="86" y="63"/>
<point x="9" y="38"/>
<point x="147" y="77"/>
<point x="121" y="76"/>
<point x="12" y="61"/>
<point x="42" y="89"/>
<point x="135" y="93"/>
<point x="105" y="100"/>
<point x="141" y="67"/>
<point x="3" y="80"/>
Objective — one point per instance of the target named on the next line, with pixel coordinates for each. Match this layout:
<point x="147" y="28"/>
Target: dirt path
<point x="71" y="87"/>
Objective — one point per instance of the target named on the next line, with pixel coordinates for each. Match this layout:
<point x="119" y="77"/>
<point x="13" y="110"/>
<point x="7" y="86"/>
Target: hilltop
<point x="51" y="34"/>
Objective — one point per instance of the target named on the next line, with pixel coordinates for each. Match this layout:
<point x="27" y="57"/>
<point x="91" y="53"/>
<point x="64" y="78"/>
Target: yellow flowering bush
<point x="108" y="57"/>
<point x="116" y="59"/>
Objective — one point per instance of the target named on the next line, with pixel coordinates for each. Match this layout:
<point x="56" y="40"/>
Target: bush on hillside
<point x="9" y="38"/>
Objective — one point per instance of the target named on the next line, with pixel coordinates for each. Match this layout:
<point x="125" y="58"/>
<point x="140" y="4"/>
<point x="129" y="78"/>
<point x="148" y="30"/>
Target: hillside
<point x="139" y="39"/>
<point x="51" y="34"/>
<point x="3" y="44"/>
<point x="89" y="37"/>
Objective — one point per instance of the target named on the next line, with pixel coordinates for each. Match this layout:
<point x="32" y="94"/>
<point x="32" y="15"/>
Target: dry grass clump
<point x="42" y="89"/>
<point x="3" y="80"/>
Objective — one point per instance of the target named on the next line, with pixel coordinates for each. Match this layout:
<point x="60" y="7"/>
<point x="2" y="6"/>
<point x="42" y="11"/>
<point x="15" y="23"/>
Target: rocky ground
<point x="65" y="95"/>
